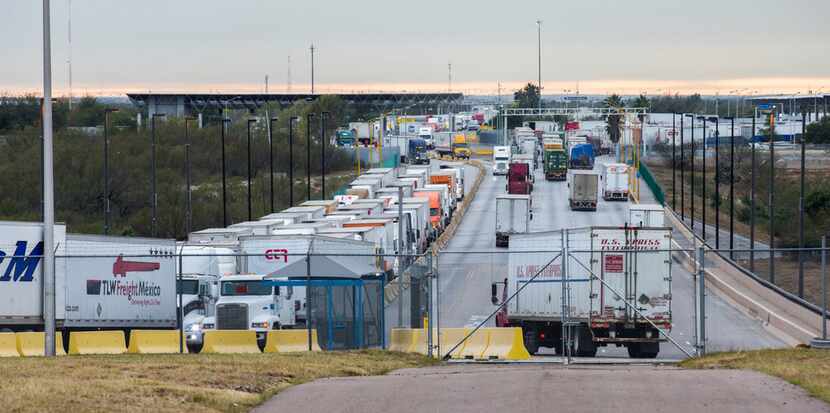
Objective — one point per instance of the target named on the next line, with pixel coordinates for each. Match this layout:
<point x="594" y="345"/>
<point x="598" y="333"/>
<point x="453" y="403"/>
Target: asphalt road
<point x="471" y="262"/>
<point x="547" y="387"/>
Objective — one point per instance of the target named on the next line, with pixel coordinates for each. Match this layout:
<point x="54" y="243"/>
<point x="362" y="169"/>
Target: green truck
<point x="555" y="160"/>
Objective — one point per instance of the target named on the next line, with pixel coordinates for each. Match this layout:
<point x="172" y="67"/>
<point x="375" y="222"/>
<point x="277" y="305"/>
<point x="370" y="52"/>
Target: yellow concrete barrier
<point x="449" y="338"/>
<point x="290" y="341"/>
<point x="33" y="344"/>
<point x="476" y="345"/>
<point x="8" y="345"/>
<point x="230" y="341"/>
<point x="403" y="340"/>
<point x="155" y="342"/>
<point x="97" y="342"/>
<point x="506" y="343"/>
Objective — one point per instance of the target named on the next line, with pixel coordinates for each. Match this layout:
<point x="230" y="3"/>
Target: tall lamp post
<point x="752" y="200"/>
<point x="801" y="208"/>
<point x="48" y="191"/>
<point x="682" y="171"/>
<point x="703" y="186"/>
<point x="223" y="126"/>
<point x="189" y="192"/>
<point x="107" y="210"/>
<point x="692" y="171"/>
<point x="291" y="121"/>
<point x="271" y="157"/>
<point x="772" y="197"/>
<point x="323" y="143"/>
<point x="250" y="209"/>
<point x="309" y="117"/>
<point x="732" y="191"/>
<point x="673" y="162"/>
<point x="717" y="182"/>
<point x="155" y="199"/>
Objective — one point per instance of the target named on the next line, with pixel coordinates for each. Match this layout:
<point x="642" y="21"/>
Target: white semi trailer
<point x="617" y="289"/>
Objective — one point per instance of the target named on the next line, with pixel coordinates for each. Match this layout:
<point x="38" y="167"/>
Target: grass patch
<point x="166" y="383"/>
<point x="805" y="367"/>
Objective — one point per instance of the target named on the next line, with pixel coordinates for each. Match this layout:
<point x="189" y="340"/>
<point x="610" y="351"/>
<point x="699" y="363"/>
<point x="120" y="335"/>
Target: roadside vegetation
<point x="166" y="383"/>
<point x="808" y="368"/>
<point x="79" y="165"/>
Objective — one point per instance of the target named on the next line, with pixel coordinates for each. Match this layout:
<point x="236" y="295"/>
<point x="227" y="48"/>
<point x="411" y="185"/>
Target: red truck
<point x="518" y="179"/>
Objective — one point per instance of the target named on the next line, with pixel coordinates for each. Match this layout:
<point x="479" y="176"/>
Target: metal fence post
<point x="702" y="302"/>
<point x="433" y="264"/>
<point x="308" y="299"/>
<point x="563" y="317"/>
<point x="430" y="320"/>
<point x="824" y="287"/>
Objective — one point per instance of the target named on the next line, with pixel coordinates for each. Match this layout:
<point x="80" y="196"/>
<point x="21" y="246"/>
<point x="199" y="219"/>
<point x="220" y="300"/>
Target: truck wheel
<point x="633" y="350"/>
<point x="649" y="350"/>
<point x="531" y="343"/>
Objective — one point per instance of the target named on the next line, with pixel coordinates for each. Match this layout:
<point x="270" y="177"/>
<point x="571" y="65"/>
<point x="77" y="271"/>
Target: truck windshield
<point x="433" y="211"/>
<point x="187" y="287"/>
<point x="233" y="288"/>
<point x="461" y="145"/>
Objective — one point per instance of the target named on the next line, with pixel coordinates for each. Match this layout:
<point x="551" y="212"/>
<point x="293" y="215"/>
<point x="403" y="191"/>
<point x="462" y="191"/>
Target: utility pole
<point x="69" y="58"/>
<point x="308" y="140"/>
<point x="48" y="191"/>
<point x="312" y="68"/>
<point x="772" y="197"/>
<point x="539" y="46"/>
<point x="801" y="208"/>
<point x="752" y="201"/>
<point x="225" y="121"/>
<point x="250" y="175"/>
<point x="323" y="142"/>
<point x="189" y="193"/>
<point x="449" y="77"/>
<point x="155" y="199"/>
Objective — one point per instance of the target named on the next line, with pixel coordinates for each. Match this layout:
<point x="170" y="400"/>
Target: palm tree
<point x="614" y="126"/>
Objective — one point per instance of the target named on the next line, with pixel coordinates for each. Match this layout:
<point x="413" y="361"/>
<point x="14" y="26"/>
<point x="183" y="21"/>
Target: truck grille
<point x="232" y="317"/>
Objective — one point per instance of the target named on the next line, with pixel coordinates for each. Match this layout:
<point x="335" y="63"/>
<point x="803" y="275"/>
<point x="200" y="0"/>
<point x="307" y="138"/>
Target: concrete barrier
<point x="230" y="341"/>
<point x="403" y="340"/>
<point x="97" y="342"/>
<point x="449" y="338"/>
<point x="506" y="343"/>
<point x="476" y="345"/>
<point x="32" y="344"/>
<point x="8" y="345"/>
<point x="290" y="341"/>
<point x="155" y="342"/>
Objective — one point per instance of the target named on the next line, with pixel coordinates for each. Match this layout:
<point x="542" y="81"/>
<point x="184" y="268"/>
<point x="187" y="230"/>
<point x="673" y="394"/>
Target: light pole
<point x="309" y="117"/>
<point x="682" y="171"/>
<point x="801" y="208"/>
<point x="752" y="200"/>
<point x="291" y="121"/>
<point x="107" y="210"/>
<point x="271" y="157"/>
<point x="692" y="171"/>
<point x="323" y="142"/>
<point x="771" y="197"/>
<point x="155" y="199"/>
<point x="673" y="162"/>
<point x="732" y="191"/>
<point x="189" y="194"/>
<point x="250" y="209"/>
<point x="703" y="186"/>
<point x="539" y="52"/>
<point x="225" y="121"/>
<point x="48" y="191"/>
<point x="717" y="183"/>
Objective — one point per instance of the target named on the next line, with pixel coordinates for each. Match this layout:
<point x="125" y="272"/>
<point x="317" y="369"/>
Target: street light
<point x="673" y="161"/>
<point x="732" y="191"/>
<point x="271" y="157"/>
<point x="717" y="181"/>
<point x="107" y="211"/>
<point x="801" y="208"/>
<point x="189" y="193"/>
<point x="703" y="189"/>
<point x="692" y="171"/>
<point x="308" y="156"/>
<point x="222" y="126"/>
<point x="48" y="191"/>
<point x="323" y="142"/>
<point x="155" y="199"/>
<point x="250" y="210"/>
<point x="291" y="121"/>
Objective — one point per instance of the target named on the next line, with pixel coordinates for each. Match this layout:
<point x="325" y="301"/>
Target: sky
<point x="597" y="46"/>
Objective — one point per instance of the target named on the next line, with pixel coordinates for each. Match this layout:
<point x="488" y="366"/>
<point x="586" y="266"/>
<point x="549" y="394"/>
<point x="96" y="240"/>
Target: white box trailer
<point x="610" y="270"/>
<point x="386" y="175"/>
<point x="328" y="204"/>
<point x="513" y="215"/>
<point x="219" y="236"/>
<point x="416" y="180"/>
<point x="447" y="199"/>
<point x="288" y="217"/>
<point x="314" y="211"/>
<point x="646" y="215"/>
<point x="615" y="178"/>
<point x="262" y="227"/>
<point x="410" y="228"/>
<point x="363" y="209"/>
<point x="582" y="189"/>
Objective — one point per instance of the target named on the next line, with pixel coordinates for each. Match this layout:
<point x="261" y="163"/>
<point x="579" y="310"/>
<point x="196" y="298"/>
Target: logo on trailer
<point x="122" y="267"/>
<point x="21" y="266"/>
<point x="276" y="254"/>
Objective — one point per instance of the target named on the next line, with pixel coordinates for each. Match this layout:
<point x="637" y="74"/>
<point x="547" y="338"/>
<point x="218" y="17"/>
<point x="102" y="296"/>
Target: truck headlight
<point x="263" y="324"/>
<point x="208" y="326"/>
<point x="193" y="327"/>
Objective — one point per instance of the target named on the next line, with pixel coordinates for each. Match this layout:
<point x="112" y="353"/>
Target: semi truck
<point x="101" y="282"/>
<point x="518" y="179"/>
<point x="513" y="216"/>
<point x="581" y="156"/>
<point x="617" y="288"/>
<point x="582" y="190"/>
<point x="615" y="182"/>
<point x="555" y="161"/>
<point x="451" y="144"/>
<point x="501" y="159"/>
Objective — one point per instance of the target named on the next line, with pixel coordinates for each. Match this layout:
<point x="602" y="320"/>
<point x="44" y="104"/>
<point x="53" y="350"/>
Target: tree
<point x="818" y="132"/>
<point x="641" y="102"/>
<point x="614" y="127"/>
<point x="527" y="97"/>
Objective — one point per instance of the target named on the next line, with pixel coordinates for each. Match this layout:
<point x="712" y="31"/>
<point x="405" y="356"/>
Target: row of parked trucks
<point x="124" y="283"/>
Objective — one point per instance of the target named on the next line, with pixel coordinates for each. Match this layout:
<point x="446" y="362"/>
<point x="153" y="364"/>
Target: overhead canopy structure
<point x="189" y="104"/>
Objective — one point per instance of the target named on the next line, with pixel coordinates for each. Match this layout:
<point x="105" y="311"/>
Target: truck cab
<point x="426" y="135"/>
<point x="436" y="212"/>
<point x="199" y="295"/>
<point x="518" y="179"/>
<point x="460" y="149"/>
<point x="249" y="302"/>
<point x="501" y="160"/>
<point x="344" y="138"/>
<point x="418" y="151"/>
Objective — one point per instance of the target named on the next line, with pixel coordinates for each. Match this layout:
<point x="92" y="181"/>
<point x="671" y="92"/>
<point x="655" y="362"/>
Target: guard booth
<point x="347" y="313"/>
<point x="339" y="280"/>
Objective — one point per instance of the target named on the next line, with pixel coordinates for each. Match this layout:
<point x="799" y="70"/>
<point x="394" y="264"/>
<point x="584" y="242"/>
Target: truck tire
<point x="531" y="343"/>
<point x="649" y="350"/>
<point x="585" y="346"/>
<point x="633" y="350"/>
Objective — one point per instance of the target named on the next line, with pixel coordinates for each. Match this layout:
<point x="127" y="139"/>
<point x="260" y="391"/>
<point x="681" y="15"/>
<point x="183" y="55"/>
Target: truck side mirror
<point x="494" y="294"/>
<point x="531" y="216"/>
